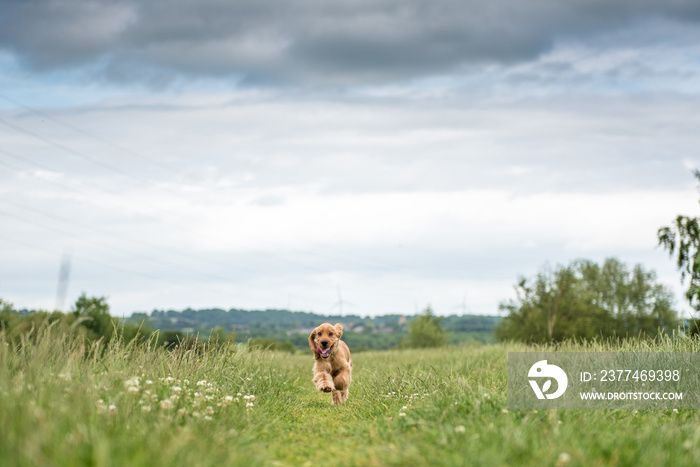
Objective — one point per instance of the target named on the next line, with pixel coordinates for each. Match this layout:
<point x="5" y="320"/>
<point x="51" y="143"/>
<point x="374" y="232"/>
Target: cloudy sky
<point x="282" y="154"/>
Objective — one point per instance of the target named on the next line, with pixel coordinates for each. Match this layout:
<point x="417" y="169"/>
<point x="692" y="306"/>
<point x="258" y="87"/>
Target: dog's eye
<point x="330" y="333"/>
<point x="319" y="333"/>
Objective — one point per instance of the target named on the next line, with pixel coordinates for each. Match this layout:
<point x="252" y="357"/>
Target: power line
<point x="68" y="150"/>
<point x="85" y="133"/>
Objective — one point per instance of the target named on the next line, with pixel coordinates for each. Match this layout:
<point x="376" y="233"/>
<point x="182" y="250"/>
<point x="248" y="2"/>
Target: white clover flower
<point x="236" y="399"/>
<point x="228" y="399"/>
<point x="207" y="418"/>
<point x="202" y="382"/>
<point x="177" y="389"/>
<point x="132" y="385"/>
<point x="460" y="429"/>
<point x="145" y="408"/>
<point x="182" y="411"/>
<point x="166" y="404"/>
<point x="209" y="410"/>
<point x="402" y="414"/>
<point x="249" y="405"/>
<point x="169" y="379"/>
<point x="112" y="409"/>
<point x="404" y="407"/>
<point x="564" y="458"/>
<point x="148" y="382"/>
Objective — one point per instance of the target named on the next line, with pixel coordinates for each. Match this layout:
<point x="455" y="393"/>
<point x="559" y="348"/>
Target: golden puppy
<point x="333" y="364"/>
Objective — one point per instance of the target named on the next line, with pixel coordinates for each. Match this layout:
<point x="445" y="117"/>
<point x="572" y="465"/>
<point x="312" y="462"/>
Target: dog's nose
<point x="324" y="343"/>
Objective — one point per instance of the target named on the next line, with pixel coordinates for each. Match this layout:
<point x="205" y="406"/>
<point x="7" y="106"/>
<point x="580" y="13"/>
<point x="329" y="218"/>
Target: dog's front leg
<point x="322" y="377"/>
<point x="342" y="382"/>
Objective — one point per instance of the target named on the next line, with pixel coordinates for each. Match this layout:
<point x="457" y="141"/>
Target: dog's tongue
<point x="325" y="353"/>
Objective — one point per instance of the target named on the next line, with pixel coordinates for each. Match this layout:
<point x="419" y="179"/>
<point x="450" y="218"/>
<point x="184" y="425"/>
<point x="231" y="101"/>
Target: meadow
<point x="65" y="403"/>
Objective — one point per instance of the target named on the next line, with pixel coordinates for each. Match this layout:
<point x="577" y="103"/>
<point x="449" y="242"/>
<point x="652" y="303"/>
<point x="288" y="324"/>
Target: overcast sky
<point x="398" y="153"/>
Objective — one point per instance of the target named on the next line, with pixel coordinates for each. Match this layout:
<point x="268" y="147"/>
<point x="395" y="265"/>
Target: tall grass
<point x="63" y="402"/>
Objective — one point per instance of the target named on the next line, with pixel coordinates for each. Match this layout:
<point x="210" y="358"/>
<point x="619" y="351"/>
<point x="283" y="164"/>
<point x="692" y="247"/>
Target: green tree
<point x="7" y="315"/>
<point x="682" y="241"/>
<point x="93" y="313"/>
<point x="425" y="330"/>
<point x="587" y="300"/>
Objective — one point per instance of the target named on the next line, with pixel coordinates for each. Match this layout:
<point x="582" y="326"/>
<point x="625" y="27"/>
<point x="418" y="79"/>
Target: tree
<point x="587" y="300"/>
<point x="425" y="331"/>
<point x="94" y="315"/>
<point x="682" y="240"/>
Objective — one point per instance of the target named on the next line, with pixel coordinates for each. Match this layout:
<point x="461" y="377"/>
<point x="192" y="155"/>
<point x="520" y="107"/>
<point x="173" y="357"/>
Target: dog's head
<point x="325" y="339"/>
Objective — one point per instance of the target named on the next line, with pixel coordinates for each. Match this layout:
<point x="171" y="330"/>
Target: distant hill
<point x="379" y="332"/>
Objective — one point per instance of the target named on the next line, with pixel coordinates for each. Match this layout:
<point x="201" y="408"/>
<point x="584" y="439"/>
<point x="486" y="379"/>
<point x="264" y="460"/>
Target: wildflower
<point x="208" y="418"/>
<point x="249" y="406"/>
<point x="675" y="410"/>
<point x="166" y="404"/>
<point x="404" y="407"/>
<point x="209" y="410"/>
<point x="228" y="399"/>
<point x="132" y="385"/>
<point x="169" y="379"/>
<point x="202" y="382"/>
<point x="564" y="458"/>
<point x="145" y="408"/>
<point x="148" y="382"/>
<point x="402" y="414"/>
<point x="504" y="410"/>
<point x="235" y="399"/>
<point x="182" y="411"/>
<point x="112" y="409"/>
<point x="460" y="429"/>
<point x="177" y="389"/>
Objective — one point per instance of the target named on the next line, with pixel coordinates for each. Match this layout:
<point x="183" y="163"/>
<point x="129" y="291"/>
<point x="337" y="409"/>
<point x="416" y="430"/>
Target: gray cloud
<point x="309" y="41"/>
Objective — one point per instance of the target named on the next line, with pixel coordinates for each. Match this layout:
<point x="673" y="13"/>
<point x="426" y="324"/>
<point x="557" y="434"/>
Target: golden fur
<point x="334" y="372"/>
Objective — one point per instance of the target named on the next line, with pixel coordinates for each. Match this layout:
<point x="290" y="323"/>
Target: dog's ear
<point x="339" y="330"/>
<point x="312" y="344"/>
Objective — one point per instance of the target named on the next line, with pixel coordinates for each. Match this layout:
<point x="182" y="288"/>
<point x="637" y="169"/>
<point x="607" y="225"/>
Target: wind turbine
<point x="463" y="306"/>
<point x="339" y="303"/>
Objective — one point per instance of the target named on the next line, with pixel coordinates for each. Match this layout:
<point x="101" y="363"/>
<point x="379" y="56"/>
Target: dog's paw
<point x="326" y="388"/>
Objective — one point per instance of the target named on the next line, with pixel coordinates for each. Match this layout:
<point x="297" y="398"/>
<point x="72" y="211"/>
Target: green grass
<point x="455" y="403"/>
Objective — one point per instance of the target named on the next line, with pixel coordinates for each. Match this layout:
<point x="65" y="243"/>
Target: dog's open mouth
<point x="325" y="353"/>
